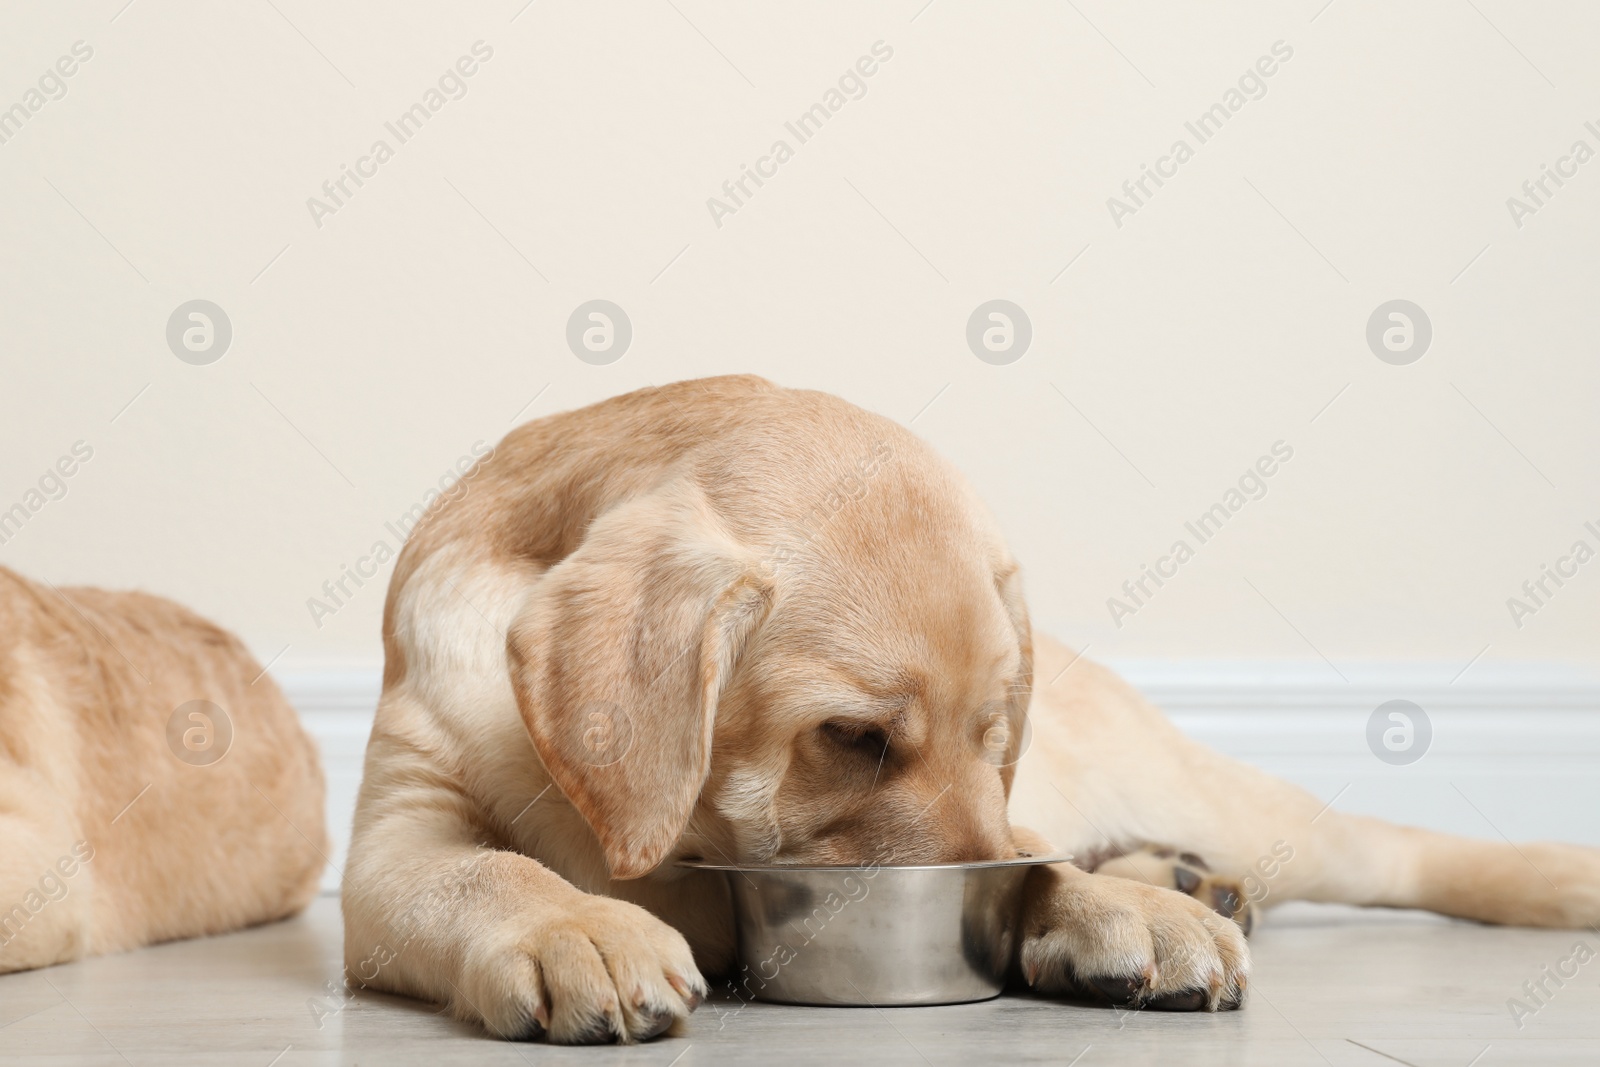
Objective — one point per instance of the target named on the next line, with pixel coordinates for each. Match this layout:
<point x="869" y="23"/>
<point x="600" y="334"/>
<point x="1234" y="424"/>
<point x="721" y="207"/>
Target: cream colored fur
<point x="728" y="620"/>
<point x="108" y="840"/>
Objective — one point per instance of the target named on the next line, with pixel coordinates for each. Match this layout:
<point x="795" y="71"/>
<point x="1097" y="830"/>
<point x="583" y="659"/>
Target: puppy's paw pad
<point x="1124" y="943"/>
<point x="1190" y="1000"/>
<point x="1120" y="990"/>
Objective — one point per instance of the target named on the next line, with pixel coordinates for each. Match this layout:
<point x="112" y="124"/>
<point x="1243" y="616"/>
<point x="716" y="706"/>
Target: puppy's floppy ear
<point x="619" y="658"/>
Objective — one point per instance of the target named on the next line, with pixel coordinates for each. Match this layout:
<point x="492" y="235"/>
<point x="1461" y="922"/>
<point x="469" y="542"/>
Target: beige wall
<point x="1221" y="316"/>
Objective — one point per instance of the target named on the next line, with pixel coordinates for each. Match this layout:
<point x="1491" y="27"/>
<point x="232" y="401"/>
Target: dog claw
<point x="691" y="996"/>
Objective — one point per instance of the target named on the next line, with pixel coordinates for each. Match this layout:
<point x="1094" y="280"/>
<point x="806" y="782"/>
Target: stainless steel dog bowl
<point x="876" y="936"/>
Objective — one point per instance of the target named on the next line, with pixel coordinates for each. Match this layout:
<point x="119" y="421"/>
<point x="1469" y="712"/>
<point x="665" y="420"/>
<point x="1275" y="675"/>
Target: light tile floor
<point x="1331" y="986"/>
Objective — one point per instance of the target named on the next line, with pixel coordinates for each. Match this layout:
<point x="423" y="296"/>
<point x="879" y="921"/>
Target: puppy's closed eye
<point x="858" y="738"/>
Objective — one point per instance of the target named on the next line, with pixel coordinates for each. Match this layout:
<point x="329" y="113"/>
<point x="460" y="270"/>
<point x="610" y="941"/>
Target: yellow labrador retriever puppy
<point x="728" y="620"/>
<point x="154" y="784"/>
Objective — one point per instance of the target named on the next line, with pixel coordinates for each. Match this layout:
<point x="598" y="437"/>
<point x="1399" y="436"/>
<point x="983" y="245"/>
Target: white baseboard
<point x="336" y="707"/>
<point x="1515" y="749"/>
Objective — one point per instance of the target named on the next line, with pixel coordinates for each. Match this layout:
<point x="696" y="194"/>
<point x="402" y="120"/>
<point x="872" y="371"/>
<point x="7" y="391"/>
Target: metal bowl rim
<point x="780" y="868"/>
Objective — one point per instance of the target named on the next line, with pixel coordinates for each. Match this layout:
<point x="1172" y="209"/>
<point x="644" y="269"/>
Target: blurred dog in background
<point x="154" y="783"/>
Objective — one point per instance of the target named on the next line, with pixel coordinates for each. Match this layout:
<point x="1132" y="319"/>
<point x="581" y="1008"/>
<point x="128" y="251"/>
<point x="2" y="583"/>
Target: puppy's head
<point x="833" y="673"/>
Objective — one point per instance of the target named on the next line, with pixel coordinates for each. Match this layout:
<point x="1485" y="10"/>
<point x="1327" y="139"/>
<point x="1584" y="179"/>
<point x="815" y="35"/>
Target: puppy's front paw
<point x="589" y="971"/>
<point x="1123" y="942"/>
<point x="1187" y="873"/>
